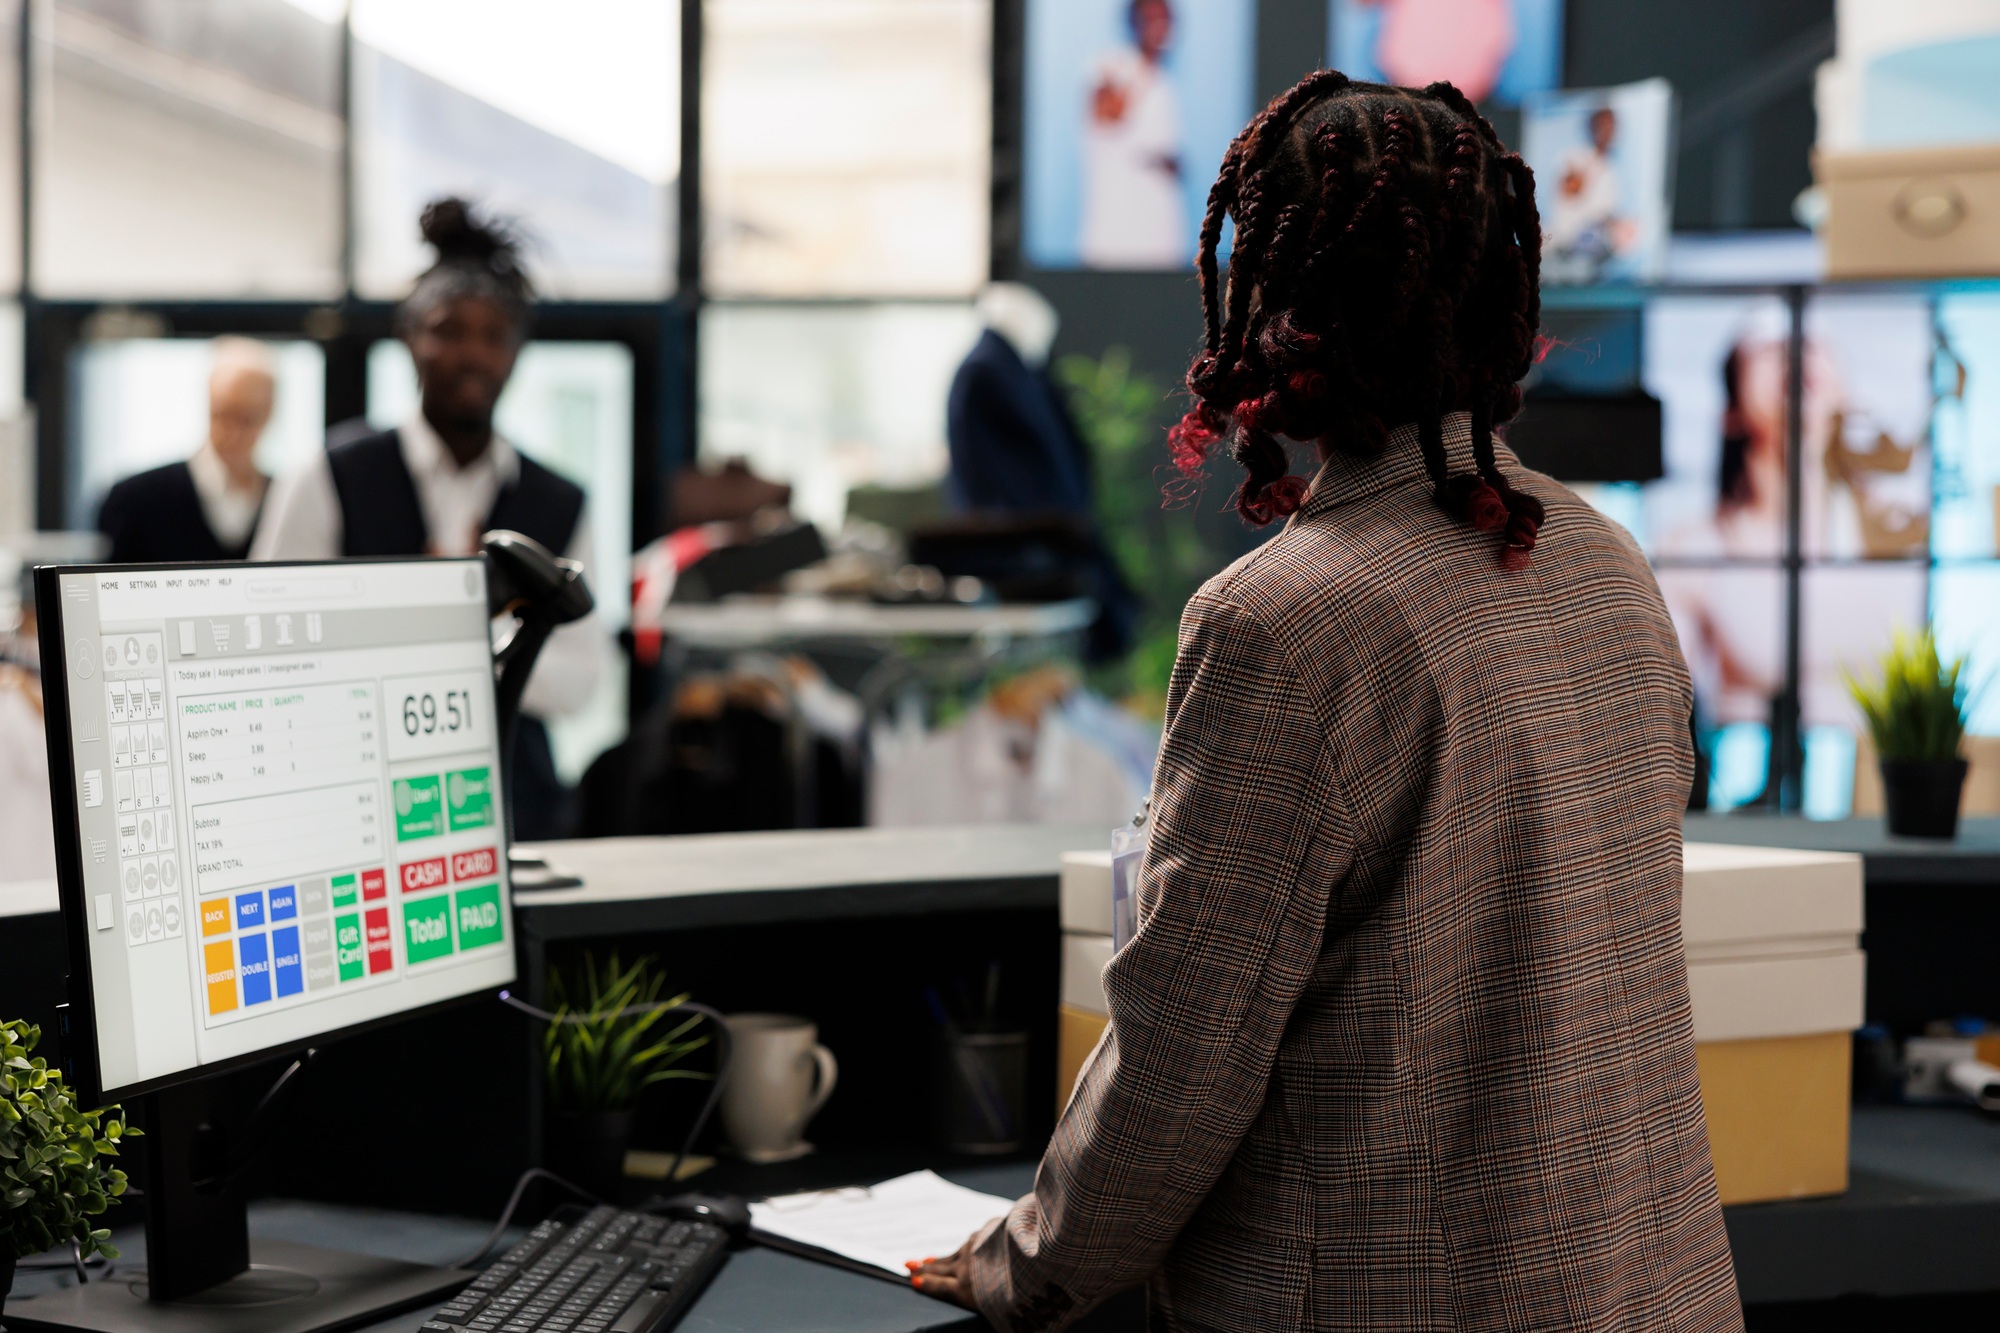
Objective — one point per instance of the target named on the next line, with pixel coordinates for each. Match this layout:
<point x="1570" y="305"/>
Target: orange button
<point x="220" y="961"/>
<point x="215" y="917"/>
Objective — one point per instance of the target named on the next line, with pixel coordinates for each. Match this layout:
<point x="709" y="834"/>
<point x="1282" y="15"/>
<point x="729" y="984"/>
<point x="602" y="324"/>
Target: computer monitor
<point x="280" y="816"/>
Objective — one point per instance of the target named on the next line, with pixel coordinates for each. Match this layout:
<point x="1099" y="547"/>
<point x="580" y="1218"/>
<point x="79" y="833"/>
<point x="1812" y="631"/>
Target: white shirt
<point x="230" y="510"/>
<point x="303" y="522"/>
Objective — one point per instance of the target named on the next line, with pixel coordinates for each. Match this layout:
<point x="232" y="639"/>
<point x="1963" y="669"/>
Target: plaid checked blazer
<point x="1402" y="1040"/>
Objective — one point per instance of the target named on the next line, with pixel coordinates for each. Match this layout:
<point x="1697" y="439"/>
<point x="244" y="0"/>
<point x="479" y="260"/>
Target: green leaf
<point x="596" y="1056"/>
<point x="1916" y="706"/>
<point x="51" y="1176"/>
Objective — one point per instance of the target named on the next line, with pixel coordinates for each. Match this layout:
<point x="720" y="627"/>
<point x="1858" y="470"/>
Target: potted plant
<point x="56" y="1167"/>
<point x="608" y="1040"/>
<point x="1916" y="712"/>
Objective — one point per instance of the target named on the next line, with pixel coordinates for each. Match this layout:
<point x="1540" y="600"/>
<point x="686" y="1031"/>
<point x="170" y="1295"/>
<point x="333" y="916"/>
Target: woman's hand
<point x="947" y="1279"/>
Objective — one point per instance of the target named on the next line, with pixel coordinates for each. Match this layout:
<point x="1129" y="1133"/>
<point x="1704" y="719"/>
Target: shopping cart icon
<point x="219" y="630"/>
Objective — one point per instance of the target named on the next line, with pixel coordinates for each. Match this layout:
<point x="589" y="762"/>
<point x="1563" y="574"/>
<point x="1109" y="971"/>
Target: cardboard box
<point x="1912" y="212"/>
<point x="1775" y="980"/>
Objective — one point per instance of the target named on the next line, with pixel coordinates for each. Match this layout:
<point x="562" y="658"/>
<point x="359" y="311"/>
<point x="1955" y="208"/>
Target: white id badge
<point x="1128" y="849"/>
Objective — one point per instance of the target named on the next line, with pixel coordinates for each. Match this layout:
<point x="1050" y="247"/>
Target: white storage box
<point x="1086" y="892"/>
<point x="1775" y="978"/>
<point x="1912" y="212"/>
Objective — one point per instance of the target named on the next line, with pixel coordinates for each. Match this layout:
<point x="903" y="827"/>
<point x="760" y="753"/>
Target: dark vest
<point x="381" y="515"/>
<point x="156" y="516"/>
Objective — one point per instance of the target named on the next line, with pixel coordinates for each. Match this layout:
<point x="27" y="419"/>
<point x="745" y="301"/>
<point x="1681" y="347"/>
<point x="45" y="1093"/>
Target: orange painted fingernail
<point x="917" y="1281"/>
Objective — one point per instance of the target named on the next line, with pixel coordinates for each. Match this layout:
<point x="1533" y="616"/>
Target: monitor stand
<point x="203" y="1274"/>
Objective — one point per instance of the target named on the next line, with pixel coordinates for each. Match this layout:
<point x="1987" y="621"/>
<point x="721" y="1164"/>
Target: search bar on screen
<point x="302" y="588"/>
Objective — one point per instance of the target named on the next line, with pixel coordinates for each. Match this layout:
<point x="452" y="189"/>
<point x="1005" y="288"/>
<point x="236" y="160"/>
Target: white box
<point x="1084" y="959"/>
<point x="1086" y="892"/>
<point x="1778" y="997"/>
<point x="1767" y="897"/>
<point x="1912" y="212"/>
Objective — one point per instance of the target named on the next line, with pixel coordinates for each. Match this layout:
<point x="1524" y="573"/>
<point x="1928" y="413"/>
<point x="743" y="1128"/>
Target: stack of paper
<point x="918" y="1216"/>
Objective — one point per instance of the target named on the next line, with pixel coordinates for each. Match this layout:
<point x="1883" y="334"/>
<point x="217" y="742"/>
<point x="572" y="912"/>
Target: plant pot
<point x="587" y="1148"/>
<point x="1921" y="796"/>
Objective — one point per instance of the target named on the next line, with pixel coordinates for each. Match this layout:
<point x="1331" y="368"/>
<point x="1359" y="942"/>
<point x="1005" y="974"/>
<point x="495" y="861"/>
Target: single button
<point x="639" y="1317"/>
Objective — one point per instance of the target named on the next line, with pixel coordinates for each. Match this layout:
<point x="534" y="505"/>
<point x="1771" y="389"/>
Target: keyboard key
<point x="640" y="1315"/>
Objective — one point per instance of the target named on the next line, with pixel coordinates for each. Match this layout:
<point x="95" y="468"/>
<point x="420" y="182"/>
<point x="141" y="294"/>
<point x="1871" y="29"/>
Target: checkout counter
<point x="844" y="924"/>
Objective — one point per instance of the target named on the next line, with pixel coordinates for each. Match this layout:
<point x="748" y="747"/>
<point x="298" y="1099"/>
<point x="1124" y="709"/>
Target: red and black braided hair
<point x="1385" y="271"/>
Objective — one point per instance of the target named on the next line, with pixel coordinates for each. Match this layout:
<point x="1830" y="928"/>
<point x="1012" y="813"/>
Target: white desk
<point x="27" y="897"/>
<point x="753" y="622"/>
<point x="641" y="884"/>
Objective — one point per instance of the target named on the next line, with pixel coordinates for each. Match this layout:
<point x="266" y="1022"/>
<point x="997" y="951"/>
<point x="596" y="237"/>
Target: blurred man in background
<point x="205" y="508"/>
<point x="434" y="484"/>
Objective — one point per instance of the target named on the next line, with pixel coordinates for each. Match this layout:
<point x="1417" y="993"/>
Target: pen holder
<point x="982" y="1091"/>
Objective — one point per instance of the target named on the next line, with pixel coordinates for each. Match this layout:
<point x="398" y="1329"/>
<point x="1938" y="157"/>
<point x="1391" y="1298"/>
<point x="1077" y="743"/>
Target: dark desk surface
<point x="1973" y="858"/>
<point x="758" y="1291"/>
<point x="1922" y="1217"/>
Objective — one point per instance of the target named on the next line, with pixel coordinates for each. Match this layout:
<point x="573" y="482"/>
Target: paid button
<point x="478" y="912"/>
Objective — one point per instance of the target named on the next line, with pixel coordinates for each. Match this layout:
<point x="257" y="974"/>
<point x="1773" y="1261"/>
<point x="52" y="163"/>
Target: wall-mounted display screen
<point x="1130" y="107"/>
<point x="1500" y="50"/>
<point x="1603" y="165"/>
<point x="1878" y="385"/>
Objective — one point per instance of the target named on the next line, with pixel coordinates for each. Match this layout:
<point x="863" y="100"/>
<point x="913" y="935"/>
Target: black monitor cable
<point x="723" y="1052"/>
<point x="224" y="1160"/>
<point x="74" y="1262"/>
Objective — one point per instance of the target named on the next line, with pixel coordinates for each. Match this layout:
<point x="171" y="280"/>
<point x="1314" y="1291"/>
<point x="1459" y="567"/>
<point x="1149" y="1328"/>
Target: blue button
<point x="249" y="910"/>
<point x="284" y="903"/>
<point x="253" y="964"/>
<point x="285" y="955"/>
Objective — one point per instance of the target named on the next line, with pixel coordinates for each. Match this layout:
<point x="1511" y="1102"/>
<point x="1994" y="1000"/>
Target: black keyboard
<point x="601" y="1271"/>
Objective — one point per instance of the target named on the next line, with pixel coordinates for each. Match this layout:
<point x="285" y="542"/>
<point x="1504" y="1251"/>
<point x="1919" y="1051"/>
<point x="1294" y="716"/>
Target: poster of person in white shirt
<point x="1604" y="176"/>
<point x="1130" y="105"/>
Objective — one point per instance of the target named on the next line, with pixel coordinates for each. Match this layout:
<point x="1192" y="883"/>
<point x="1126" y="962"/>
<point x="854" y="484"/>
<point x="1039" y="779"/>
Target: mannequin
<point x="1022" y="316"/>
<point x="1015" y="452"/>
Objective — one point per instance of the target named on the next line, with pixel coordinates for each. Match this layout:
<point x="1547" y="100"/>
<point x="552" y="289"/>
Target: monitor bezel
<point x="79" y="1054"/>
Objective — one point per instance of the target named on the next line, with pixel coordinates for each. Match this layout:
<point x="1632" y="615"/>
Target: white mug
<point x="779" y="1078"/>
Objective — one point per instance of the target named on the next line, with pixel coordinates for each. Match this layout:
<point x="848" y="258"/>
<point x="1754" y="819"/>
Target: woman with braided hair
<point x="1402" y="1039"/>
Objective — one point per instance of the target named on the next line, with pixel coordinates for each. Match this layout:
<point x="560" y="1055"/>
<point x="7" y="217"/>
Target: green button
<point x="427" y="928"/>
<point x="347" y="946"/>
<point x="470" y="795"/>
<point x="343" y="891"/>
<point x="419" y="808"/>
<point x="479" y="922"/>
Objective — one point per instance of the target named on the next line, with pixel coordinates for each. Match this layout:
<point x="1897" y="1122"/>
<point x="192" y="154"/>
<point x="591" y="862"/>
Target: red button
<point x="419" y="875"/>
<point x="374" y="884"/>
<point x="474" y="865"/>
<point x="381" y="954"/>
